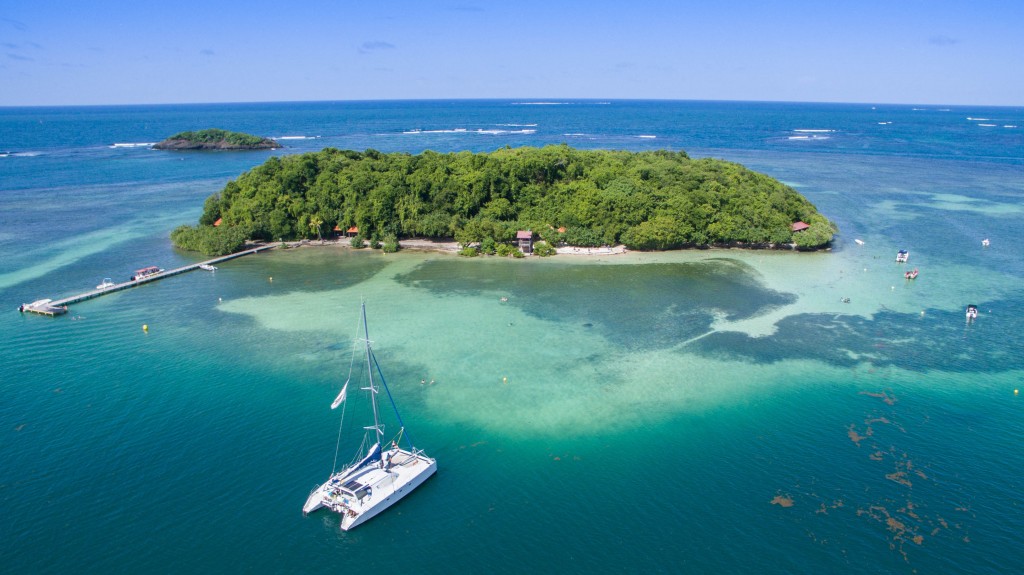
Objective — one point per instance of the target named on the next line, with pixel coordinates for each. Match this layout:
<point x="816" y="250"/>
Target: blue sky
<point x="139" y="52"/>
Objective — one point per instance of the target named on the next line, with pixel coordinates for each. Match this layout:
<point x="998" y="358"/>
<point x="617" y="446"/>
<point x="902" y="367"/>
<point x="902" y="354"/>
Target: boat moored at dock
<point x="43" y="307"/>
<point x="142" y="276"/>
<point x="146" y="272"/>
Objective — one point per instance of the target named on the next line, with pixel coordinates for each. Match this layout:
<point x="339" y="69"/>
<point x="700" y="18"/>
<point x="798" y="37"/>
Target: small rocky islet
<point x="216" y="139"/>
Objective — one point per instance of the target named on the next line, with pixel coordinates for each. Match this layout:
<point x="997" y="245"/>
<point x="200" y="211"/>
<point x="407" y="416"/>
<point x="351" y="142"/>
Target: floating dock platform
<point x="60" y="306"/>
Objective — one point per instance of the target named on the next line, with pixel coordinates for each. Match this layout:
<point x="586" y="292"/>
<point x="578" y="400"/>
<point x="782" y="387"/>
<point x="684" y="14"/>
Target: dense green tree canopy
<point x="647" y="200"/>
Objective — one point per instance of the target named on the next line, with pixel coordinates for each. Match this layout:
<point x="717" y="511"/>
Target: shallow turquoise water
<point x="629" y="413"/>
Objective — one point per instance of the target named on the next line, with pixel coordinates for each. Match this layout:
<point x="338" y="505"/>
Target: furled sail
<point x="341" y="396"/>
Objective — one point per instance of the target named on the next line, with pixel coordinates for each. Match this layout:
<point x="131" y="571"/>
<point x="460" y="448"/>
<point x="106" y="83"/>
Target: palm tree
<point x="314" y="224"/>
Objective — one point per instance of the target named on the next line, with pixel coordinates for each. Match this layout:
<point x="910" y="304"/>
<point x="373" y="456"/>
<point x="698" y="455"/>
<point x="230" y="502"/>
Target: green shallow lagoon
<point x="565" y="413"/>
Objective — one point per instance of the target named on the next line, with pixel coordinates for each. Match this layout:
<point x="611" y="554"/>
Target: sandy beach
<point x="423" y="244"/>
<point x="602" y="251"/>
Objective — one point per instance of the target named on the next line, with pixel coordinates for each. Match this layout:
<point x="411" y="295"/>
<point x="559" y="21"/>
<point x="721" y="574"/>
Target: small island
<point x="656" y="200"/>
<point x="215" y="139"/>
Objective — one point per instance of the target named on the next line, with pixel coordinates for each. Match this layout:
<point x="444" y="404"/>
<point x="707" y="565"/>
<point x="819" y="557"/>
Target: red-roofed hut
<point x="217" y="223"/>
<point x="800" y="226"/>
<point x="525" y="239"/>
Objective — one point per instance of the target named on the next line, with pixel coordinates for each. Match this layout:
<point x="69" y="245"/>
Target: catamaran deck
<point x="361" y="494"/>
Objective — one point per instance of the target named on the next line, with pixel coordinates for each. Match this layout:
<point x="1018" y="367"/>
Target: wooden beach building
<point x="525" y="239"/>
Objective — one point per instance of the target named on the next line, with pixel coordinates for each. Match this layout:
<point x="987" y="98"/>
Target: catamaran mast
<point x="373" y="389"/>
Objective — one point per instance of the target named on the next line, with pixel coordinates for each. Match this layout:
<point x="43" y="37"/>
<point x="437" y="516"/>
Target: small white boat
<point x="860" y="242"/>
<point x="972" y="312"/>
<point x="377" y="478"/>
<point x="902" y="256"/>
<point x="43" y="307"/>
<point x="208" y="267"/>
<point x="106" y="284"/>
<point x="984" y="242"/>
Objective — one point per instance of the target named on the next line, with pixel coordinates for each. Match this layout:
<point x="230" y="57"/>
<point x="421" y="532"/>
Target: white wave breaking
<point x="482" y="131"/>
<point x="560" y="103"/>
<point x="295" y="138"/>
<point x="133" y="144"/>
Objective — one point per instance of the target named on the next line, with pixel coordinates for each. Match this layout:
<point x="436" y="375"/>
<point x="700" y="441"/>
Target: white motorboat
<point x="378" y="477"/>
<point x="902" y="256"/>
<point x="44" y="307"/>
<point x="107" y="283"/>
<point x="208" y="267"/>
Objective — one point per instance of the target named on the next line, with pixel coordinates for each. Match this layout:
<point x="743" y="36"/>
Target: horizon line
<point x="511" y="100"/>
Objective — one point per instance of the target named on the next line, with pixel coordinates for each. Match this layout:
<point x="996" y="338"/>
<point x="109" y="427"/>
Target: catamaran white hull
<point x="363" y="491"/>
<point x="316" y="499"/>
<point x="350" y="522"/>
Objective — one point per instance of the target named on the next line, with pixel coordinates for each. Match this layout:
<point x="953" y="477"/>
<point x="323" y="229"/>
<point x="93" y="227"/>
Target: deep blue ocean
<point x="709" y="411"/>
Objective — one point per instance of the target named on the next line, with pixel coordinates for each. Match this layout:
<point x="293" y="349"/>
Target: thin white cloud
<point x="14" y="23"/>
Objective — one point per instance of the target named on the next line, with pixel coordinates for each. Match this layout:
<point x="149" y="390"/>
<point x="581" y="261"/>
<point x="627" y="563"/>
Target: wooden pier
<point x="49" y="306"/>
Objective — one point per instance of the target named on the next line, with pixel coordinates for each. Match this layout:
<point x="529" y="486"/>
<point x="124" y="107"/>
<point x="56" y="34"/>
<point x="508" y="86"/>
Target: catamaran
<point x="378" y="476"/>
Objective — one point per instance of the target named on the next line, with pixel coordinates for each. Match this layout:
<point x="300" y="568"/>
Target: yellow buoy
<point x="504" y="380"/>
<point x="271" y="278"/>
<point x="1016" y="391"/>
<point x="145" y="327"/>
